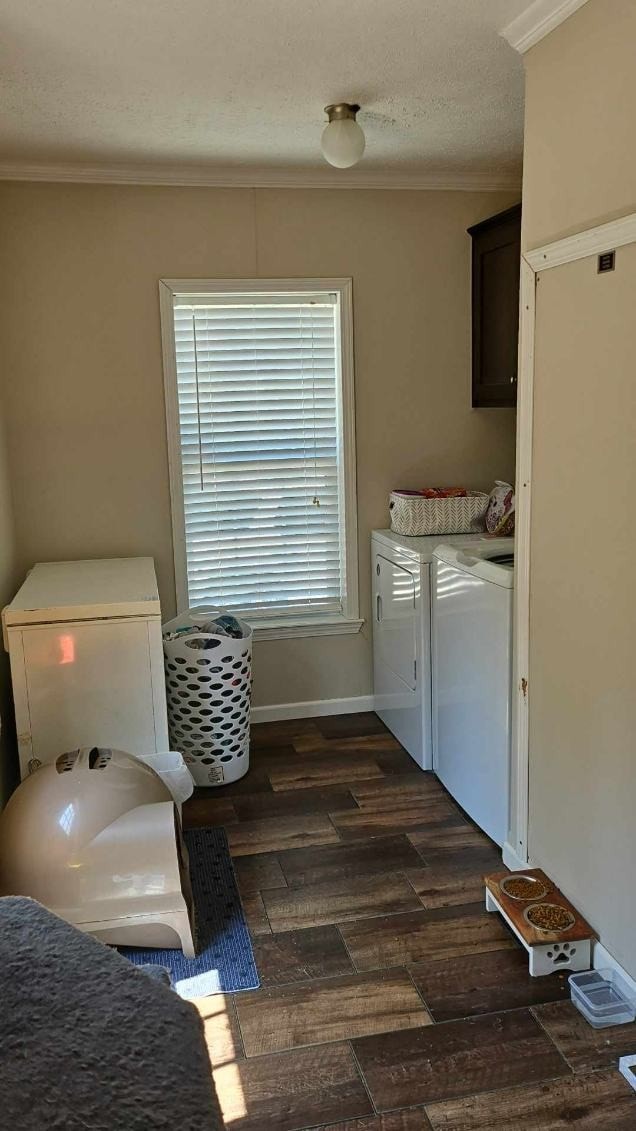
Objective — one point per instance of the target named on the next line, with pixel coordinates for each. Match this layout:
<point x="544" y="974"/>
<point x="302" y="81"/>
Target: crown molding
<point x="459" y="181"/>
<point x="537" y="21"/>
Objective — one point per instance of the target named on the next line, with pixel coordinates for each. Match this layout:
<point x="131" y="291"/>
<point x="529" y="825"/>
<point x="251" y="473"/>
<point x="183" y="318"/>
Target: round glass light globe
<point x="342" y="143"/>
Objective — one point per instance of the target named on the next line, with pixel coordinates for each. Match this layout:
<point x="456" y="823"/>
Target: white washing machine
<point x="401" y="594"/>
<point x="472" y="589"/>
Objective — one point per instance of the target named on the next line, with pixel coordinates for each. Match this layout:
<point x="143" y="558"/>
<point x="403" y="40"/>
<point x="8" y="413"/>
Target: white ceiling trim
<point x="462" y="181"/>
<point x="537" y="21"/>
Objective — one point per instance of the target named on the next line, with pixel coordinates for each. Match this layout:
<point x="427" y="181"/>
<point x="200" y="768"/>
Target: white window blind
<point x="259" y="397"/>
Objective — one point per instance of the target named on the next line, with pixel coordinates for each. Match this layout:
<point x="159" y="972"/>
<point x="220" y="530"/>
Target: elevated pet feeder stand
<point x="548" y="950"/>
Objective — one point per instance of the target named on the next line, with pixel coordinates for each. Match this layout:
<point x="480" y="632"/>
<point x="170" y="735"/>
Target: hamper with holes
<point x="209" y="695"/>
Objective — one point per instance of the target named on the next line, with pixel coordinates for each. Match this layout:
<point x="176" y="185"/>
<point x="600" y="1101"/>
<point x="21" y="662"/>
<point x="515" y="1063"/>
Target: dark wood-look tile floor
<point x="389" y="1000"/>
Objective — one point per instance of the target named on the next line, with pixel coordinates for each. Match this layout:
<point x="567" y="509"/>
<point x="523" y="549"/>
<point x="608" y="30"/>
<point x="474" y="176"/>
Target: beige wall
<point x="579" y="152"/>
<point x="80" y="331"/>
<point x="580" y="170"/>
<point x="8" y="749"/>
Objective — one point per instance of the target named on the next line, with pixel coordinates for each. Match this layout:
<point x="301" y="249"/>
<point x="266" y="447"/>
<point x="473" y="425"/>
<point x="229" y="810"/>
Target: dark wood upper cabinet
<point x="495" y="295"/>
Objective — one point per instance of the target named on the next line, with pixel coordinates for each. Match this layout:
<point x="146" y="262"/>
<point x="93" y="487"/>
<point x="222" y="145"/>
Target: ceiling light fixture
<point x="342" y="140"/>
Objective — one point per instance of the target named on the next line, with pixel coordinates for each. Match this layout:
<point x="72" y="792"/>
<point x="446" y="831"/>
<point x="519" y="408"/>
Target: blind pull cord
<point x="316" y="498"/>
<point x="196" y="381"/>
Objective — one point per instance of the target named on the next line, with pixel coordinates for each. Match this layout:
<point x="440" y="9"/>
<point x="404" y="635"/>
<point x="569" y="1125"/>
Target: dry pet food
<point x="523" y="887"/>
<point x="549" y="917"/>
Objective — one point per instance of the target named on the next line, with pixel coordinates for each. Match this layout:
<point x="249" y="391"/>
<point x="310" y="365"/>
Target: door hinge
<point x="414" y="671"/>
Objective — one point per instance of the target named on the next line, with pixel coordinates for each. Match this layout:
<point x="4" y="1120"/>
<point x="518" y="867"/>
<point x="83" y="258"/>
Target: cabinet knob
<point x="513" y="380"/>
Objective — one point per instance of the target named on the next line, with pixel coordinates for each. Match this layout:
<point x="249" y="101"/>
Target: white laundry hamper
<point x="209" y="698"/>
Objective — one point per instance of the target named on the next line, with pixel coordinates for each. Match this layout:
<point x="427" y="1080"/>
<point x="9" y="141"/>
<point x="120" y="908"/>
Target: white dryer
<point x="401" y="594"/>
<point x="472" y="589"/>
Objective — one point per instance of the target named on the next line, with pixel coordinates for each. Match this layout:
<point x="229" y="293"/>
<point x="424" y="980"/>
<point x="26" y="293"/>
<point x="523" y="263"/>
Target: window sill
<point x="279" y="629"/>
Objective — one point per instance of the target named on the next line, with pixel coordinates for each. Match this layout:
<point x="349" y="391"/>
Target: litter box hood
<point x="96" y="838"/>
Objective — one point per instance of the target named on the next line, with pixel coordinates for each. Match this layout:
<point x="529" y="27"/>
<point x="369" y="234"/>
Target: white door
<point x="87" y="684"/>
<point x="471" y="694"/>
<point x="582" y="702"/>
<point x="395" y="625"/>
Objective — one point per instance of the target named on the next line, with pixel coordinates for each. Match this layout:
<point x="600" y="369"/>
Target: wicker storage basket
<point x="416" y="516"/>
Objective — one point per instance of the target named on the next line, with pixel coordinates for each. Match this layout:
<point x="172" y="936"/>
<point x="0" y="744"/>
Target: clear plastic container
<point x="603" y="997"/>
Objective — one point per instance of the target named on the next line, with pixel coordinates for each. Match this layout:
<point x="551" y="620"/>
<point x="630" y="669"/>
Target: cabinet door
<point x="395" y="619"/>
<point x="89" y="684"/>
<point x="495" y="296"/>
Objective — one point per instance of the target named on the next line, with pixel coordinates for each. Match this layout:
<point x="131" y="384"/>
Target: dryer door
<point x="394" y="614"/>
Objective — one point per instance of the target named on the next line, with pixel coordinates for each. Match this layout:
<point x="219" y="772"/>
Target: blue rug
<point x="225" y="961"/>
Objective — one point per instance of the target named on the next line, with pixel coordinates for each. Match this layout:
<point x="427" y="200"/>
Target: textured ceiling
<point x="241" y="84"/>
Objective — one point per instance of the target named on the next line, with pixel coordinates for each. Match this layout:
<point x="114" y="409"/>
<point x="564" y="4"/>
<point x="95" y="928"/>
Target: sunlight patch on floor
<point x="229" y="1089"/>
<point x="223" y="1050"/>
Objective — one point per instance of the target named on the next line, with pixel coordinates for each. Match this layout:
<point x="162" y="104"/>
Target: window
<point x="259" y="398"/>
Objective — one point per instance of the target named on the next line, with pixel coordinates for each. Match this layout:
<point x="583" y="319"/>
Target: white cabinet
<point x="86" y="653"/>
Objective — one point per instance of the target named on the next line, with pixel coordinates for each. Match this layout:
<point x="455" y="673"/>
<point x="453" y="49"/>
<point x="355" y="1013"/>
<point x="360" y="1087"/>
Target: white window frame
<point x="279" y="625"/>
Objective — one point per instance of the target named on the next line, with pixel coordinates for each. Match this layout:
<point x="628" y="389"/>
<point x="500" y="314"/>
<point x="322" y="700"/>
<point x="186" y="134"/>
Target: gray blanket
<point x="89" y="1041"/>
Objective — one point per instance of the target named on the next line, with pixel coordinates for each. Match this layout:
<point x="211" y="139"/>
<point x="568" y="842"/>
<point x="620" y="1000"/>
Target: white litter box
<point x="96" y="837"/>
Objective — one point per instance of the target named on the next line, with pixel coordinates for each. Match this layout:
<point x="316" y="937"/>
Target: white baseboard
<point x="312" y="709"/>
<point x="512" y="860"/>
<point x="603" y="960"/>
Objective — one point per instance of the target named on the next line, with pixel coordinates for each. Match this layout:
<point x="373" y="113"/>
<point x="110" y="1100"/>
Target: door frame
<point x="592" y="241"/>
